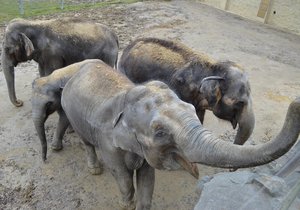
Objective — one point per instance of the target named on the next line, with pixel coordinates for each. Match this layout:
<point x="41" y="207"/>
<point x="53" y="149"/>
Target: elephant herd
<point x="143" y="112"/>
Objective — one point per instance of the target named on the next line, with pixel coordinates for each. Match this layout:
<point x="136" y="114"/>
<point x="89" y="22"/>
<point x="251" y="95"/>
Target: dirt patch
<point x="18" y="195"/>
<point x="269" y="56"/>
<point x="278" y="97"/>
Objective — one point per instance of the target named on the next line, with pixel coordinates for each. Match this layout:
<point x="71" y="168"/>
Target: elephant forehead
<point x="158" y="101"/>
<point x="40" y="98"/>
<point x="173" y="111"/>
<point x="237" y="74"/>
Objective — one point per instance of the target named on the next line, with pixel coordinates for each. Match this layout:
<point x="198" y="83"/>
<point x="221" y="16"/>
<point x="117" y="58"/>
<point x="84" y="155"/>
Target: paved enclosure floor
<point x="270" y="56"/>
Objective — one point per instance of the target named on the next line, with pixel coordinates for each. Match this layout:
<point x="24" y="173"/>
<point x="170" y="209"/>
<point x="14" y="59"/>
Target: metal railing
<point x="10" y="9"/>
<point x="26" y="6"/>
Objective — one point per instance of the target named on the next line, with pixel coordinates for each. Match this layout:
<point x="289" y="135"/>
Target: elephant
<point x="221" y="87"/>
<point x="45" y="100"/>
<point x="54" y="44"/>
<point x="143" y="127"/>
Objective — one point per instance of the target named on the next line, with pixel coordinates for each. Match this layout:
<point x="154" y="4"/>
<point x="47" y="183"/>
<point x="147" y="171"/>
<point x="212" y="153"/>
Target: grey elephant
<point x="221" y="87"/>
<point x="54" y="44"/>
<point x="142" y="127"/>
<point x="46" y="99"/>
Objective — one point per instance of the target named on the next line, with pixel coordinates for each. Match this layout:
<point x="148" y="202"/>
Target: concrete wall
<point x="244" y="8"/>
<point x="281" y="13"/>
<point x="287" y="14"/>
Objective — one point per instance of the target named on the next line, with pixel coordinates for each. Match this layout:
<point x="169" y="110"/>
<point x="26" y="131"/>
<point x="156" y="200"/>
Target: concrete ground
<point x="270" y="56"/>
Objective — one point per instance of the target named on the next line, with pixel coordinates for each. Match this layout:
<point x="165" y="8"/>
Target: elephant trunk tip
<point x="18" y="103"/>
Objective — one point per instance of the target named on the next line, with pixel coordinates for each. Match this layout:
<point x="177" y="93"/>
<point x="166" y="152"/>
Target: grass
<point x="9" y="9"/>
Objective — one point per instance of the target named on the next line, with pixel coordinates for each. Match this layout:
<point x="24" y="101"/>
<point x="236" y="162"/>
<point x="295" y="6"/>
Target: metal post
<point x="30" y="5"/>
<point x="21" y="7"/>
<point x="62" y="2"/>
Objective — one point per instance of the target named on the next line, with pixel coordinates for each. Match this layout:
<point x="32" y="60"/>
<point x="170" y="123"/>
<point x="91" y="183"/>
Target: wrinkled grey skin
<point x="142" y="127"/>
<point x="221" y="87"/>
<point x="54" y="44"/>
<point x="45" y="100"/>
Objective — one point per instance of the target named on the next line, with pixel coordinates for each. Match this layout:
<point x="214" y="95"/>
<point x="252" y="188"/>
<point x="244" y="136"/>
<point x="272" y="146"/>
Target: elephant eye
<point x="48" y="104"/>
<point x="240" y="104"/>
<point x="160" y="133"/>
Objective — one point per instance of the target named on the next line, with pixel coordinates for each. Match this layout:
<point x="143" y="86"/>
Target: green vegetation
<point x="9" y="9"/>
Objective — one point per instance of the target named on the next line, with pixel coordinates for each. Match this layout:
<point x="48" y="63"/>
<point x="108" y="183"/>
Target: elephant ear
<point x="124" y="137"/>
<point x="210" y="88"/>
<point x="182" y="75"/>
<point x="28" y="46"/>
<point x="117" y="119"/>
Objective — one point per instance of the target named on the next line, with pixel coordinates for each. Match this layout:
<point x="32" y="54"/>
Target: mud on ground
<point x="270" y="57"/>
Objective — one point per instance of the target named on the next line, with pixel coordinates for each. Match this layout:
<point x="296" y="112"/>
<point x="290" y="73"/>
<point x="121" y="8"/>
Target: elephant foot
<point x="70" y="129"/>
<point x="56" y="147"/>
<point x="130" y="205"/>
<point x="233" y="169"/>
<point x="96" y="171"/>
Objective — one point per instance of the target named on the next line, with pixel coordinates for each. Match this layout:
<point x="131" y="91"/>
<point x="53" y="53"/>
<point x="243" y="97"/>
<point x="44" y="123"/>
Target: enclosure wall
<point x="284" y="14"/>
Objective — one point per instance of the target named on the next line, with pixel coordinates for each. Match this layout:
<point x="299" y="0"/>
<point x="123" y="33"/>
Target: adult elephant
<point x="221" y="87"/>
<point x="46" y="99"/>
<point x="54" y="44"/>
<point x="142" y="127"/>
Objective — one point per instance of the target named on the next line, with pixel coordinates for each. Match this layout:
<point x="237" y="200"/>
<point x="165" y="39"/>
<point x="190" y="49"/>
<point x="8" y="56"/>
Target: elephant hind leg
<point x="94" y="165"/>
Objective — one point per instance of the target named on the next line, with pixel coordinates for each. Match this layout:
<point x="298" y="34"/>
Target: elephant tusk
<point x="211" y="78"/>
<point x="184" y="163"/>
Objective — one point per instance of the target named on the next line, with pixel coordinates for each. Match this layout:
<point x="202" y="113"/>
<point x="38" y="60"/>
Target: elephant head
<point x="142" y="123"/>
<point x="225" y="90"/>
<point x="46" y="97"/>
<point x="16" y="47"/>
<point x="167" y="132"/>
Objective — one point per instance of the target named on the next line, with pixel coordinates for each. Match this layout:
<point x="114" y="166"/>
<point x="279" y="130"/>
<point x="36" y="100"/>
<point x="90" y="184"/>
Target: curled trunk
<point x="200" y="146"/>
<point x="8" y="70"/>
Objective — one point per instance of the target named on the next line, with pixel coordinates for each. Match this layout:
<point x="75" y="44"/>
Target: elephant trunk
<point x="246" y="125"/>
<point x="200" y="146"/>
<point x="39" y="124"/>
<point x="8" y="70"/>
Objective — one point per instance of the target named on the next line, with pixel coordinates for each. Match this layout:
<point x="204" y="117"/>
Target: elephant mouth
<point x="232" y="119"/>
<point x="236" y="118"/>
<point x="188" y="166"/>
<point x="170" y="158"/>
<point x="234" y="122"/>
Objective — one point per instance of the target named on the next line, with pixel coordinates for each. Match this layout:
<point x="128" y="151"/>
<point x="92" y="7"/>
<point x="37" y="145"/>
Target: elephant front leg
<point x="41" y="71"/>
<point x="93" y="162"/>
<point x="124" y="178"/>
<point x="145" y="185"/>
<point x="62" y="126"/>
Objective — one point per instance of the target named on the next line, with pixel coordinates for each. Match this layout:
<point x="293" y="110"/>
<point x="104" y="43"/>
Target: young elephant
<point x="221" y="87"/>
<point x="147" y="126"/>
<point x="54" y="44"/>
<point x="46" y="97"/>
